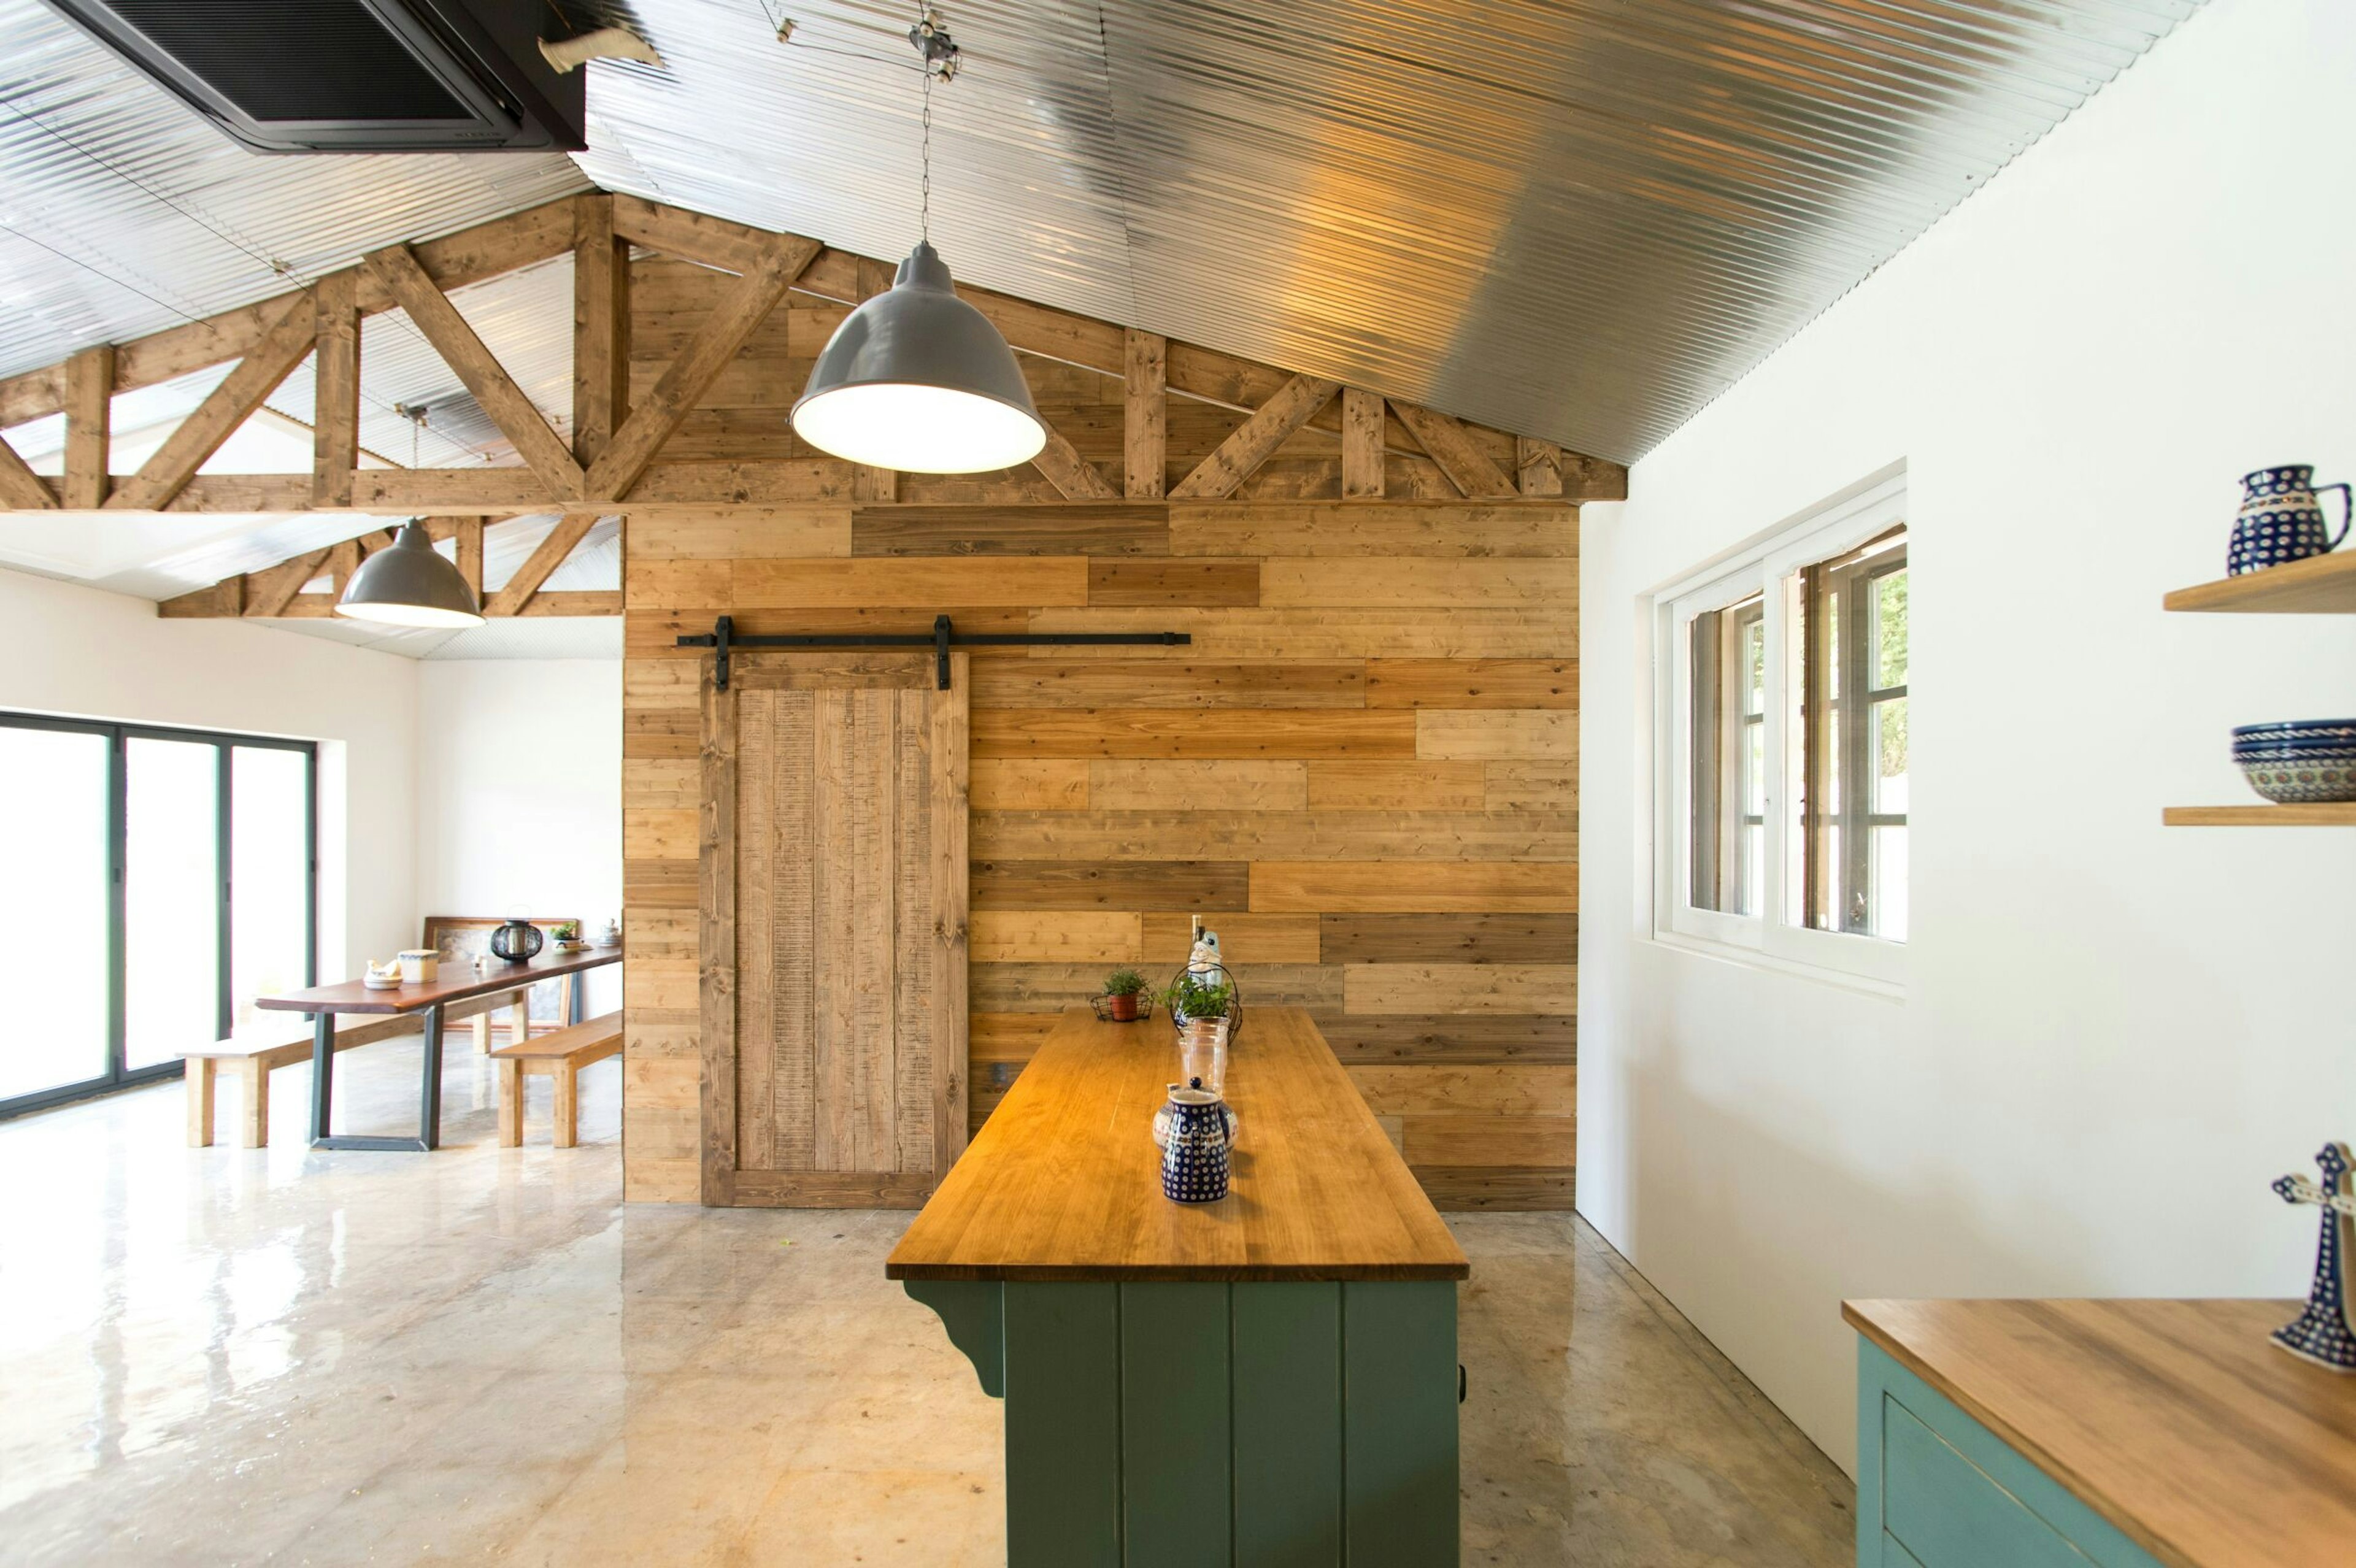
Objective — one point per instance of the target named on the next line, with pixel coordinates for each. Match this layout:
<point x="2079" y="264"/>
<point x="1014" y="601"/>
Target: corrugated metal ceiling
<point x="1579" y="220"/>
<point x="122" y="213"/>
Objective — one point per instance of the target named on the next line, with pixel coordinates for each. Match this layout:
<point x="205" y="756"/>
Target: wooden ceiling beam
<point x="581" y="604"/>
<point x="453" y="262"/>
<point x="90" y="426"/>
<point x="469" y="533"/>
<point x="668" y="486"/>
<point x="270" y="590"/>
<point x="698" y="364"/>
<point x="21" y="489"/>
<point x="228" y="406"/>
<point x="1537" y="466"/>
<point x="1362" y="445"/>
<point x="518" y="419"/>
<point x="335" y="385"/>
<point x="550" y="553"/>
<point x="1252" y="441"/>
<point x="601" y="329"/>
<point x="1074" y="476"/>
<point x="1449" y="444"/>
<point x="1145" y="415"/>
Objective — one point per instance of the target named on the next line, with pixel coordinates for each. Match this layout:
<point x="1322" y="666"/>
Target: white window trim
<point x="1770" y="939"/>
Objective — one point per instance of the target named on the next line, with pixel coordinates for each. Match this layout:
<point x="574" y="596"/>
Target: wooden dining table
<point x="462" y="983"/>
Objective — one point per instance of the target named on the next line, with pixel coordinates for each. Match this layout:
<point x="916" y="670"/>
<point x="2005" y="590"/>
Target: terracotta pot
<point x="1124" y="1008"/>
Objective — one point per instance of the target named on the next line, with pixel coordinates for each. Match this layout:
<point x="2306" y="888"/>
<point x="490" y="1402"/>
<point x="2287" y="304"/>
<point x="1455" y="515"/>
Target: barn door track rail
<point x="722" y="640"/>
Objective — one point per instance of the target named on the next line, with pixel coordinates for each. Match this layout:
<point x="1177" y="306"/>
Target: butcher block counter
<point x="1268" y="1378"/>
<point x="2125" y="1433"/>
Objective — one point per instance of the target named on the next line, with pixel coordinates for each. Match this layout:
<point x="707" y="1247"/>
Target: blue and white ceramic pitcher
<point x="1194" y="1159"/>
<point x="2281" y="520"/>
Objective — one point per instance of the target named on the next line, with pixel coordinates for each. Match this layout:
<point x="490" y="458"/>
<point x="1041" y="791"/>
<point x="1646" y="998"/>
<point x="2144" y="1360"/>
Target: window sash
<point x="1776" y="932"/>
<point x="1836" y="814"/>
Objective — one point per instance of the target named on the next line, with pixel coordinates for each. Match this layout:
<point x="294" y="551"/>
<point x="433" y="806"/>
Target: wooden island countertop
<point x="2177" y="1421"/>
<point x="1063" y="1182"/>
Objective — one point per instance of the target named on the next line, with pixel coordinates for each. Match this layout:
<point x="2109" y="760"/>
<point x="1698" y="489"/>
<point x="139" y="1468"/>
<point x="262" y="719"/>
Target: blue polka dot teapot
<point x="1194" y="1156"/>
<point x="2282" y="520"/>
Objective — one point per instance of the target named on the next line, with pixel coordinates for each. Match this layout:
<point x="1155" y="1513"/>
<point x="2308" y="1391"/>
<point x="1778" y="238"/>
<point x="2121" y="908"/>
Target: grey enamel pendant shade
<point x="919" y="380"/>
<point x="408" y="586"/>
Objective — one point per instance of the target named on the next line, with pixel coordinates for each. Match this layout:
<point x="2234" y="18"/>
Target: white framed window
<point x="1780" y="759"/>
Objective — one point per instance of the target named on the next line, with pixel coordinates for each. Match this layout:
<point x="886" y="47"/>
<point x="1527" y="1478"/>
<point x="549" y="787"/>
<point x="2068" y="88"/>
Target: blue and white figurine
<point x="2322" y="1333"/>
<point x="1194" y="1159"/>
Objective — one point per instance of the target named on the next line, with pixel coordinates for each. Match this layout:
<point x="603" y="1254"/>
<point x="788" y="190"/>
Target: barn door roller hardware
<point x="723" y="639"/>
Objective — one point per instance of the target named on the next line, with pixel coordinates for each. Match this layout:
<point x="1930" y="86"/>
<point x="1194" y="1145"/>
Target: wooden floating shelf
<point x="2319" y="585"/>
<point x="2331" y="813"/>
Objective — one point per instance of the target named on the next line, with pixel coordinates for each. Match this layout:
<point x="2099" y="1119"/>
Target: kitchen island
<point x="1269" y="1379"/>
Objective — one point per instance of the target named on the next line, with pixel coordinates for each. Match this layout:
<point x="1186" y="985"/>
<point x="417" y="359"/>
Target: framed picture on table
<point x="460" y="939"/>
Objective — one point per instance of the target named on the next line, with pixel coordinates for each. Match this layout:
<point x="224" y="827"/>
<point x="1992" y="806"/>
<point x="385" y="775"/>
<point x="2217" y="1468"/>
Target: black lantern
<point x="516" y="941"/>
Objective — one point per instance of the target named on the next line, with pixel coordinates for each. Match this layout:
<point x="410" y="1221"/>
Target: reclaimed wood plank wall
<point x="1363" y="772"/>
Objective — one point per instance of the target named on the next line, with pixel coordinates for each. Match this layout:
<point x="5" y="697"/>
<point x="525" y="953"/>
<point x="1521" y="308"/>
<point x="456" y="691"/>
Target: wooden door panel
<point x="834" y="889"/>
<point x="775" y="1095"/>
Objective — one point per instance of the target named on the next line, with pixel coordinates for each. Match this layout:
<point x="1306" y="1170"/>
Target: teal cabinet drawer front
<point x="1937" y="1489"/>
<point x="1950" y="1514"/>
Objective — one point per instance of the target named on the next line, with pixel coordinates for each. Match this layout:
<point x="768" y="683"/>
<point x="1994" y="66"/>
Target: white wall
<point x="74" y="650"/>
<point x="2114" y="1034"/>
<point x="519" y="792"/>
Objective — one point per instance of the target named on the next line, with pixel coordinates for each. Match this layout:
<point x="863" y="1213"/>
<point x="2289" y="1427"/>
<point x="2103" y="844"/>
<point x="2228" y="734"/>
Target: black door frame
<point x="118" y="738"/>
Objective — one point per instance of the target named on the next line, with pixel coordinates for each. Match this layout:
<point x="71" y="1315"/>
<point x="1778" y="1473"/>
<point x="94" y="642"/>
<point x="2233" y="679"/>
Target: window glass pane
<point x="53" y="787"/>
<point x="1754" y="663"/>
<point x="1888" y="870"/>
<point x="1754" y="865"/>
<point x="268" y="874"/>
<point x="1727" y="745"/>
<point x="171" y="928"/>
<point x="1754" y="769"/>
<point x="1889" y="756"/>
<point x="1888" y="662"/>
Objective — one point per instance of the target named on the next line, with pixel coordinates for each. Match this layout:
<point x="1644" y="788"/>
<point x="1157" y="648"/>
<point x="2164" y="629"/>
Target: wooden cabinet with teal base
<point x="1937" y="1489"/>
<point x="1191" y="1423"/>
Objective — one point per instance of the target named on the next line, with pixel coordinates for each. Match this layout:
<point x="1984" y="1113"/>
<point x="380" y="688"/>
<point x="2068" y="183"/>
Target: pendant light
<point x="408" y="584"/>
<point x="915" y="379"/>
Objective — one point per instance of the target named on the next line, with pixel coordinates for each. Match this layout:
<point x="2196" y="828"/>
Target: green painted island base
<point x="1937" y="1489"/>
<point x="1197" y="1423"/>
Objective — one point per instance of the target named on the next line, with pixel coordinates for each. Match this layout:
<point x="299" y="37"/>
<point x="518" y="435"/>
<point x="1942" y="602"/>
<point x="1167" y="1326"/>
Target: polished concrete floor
<point x="218" y="1356"/>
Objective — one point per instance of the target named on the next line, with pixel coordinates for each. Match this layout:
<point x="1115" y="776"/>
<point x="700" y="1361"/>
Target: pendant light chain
<point x="915" y="379"/>
<point x="937" y="57"/>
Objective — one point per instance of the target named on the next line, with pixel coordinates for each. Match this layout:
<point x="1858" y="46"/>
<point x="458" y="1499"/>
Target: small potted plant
<point x="568" y="936"/>
<point x="1206" y="1009"/>
<point x="1199" y="996"/>
<point x="1122" y="988"/>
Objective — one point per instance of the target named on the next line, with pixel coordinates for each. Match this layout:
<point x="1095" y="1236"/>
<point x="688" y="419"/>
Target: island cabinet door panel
<point x="1937" y="1489"/>
<point x="833" y="943"/>
<point x="1185" y="1424"/>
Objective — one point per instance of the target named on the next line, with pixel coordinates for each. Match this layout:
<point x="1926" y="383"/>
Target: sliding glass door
<point x="55" y="863"/>
<point x="157" y="882"/>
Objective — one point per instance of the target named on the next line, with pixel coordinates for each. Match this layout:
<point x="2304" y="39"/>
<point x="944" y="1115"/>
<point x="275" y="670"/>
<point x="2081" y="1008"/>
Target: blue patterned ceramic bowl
<point x="2299" y="760"/>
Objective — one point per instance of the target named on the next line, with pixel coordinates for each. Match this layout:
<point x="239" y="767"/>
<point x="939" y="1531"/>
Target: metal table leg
<point x="429" y="1107"/>
<point x="323" y="1073"/>
<point x="429" y="1102"/>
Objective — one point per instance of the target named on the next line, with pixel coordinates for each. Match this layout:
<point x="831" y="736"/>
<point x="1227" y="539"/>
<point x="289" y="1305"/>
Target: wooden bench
<point x="559" y="1057"/>
<point x="261" y="1051"/>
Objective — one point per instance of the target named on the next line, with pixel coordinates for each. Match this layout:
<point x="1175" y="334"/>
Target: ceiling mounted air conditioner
<point x="354" y="76"/>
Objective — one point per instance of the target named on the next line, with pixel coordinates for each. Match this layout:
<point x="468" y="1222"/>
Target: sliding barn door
<point x="833" y="930"/>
